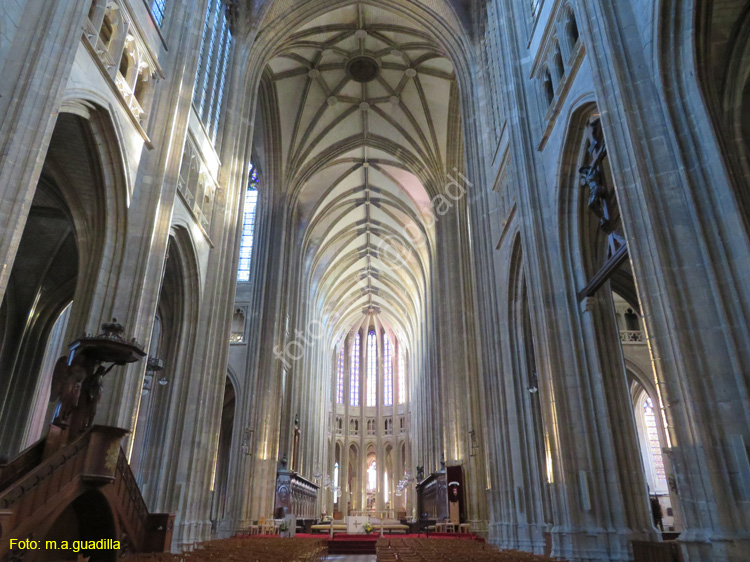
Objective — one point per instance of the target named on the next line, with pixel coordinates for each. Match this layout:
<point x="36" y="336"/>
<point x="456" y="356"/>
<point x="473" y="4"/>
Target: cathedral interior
<point x="478" y="265"/>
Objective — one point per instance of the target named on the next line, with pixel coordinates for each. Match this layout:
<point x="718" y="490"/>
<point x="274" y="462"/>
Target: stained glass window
<point x="354" y="373"/>
<point x="535" y="7"/>
<point x="340" y="378"/>
<point x="492" y="65"/>
<point x="372" y="477"/>
<point x="157" y="8"/>
<point x="401" y="378"/>
<point x="372" y="368"/>
<point x="213" y="58"/>
<point x="649" y="419"/>
<point x="248" y="227"/>
<point x="387" y="373"/>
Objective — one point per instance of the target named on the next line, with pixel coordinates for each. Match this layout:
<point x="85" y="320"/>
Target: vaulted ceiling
<point x="365" y="104"/>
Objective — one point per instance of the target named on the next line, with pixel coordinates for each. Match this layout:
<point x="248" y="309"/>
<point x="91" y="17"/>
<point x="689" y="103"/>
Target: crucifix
<point x="601" y="202"/>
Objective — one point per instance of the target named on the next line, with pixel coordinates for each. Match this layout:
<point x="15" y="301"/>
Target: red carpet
<point x="343" y="543"/>
<point x="344" y="536"/>
<point x="352" y="544"/>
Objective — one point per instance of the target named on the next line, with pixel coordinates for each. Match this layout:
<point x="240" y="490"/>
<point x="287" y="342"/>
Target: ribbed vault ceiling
<point x="362" y="159"/>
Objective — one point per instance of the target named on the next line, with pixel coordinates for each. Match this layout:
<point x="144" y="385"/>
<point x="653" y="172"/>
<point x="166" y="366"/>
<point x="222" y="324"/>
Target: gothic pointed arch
<point x="167" y="388"/>
<point x="72" y="243"/>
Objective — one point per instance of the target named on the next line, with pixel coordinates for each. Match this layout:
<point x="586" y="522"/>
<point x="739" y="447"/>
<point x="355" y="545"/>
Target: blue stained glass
<point x="157" y="9"/>
<point x="372" y="368"/>
<point x="354" y="373"/>
<point x="340" y="378"/>
<point x="387" y="372"/>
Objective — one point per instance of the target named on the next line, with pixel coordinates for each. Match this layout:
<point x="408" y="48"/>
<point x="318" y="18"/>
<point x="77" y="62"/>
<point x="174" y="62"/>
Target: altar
<point x="355" y="524"/>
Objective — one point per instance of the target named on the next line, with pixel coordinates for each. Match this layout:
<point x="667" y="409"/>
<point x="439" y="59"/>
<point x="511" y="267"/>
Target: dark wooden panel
<point x="644" y="551"/>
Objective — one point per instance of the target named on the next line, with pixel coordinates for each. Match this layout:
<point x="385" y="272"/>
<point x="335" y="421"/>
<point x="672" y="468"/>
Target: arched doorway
<point x="356" y="158"/>
<point x="611" y="479"/>
<point x="371" y="479"/>
<point x="44" y="410"/>
<point x="68" y="243"/>
<point x="220" y="478"/>
<point x="164" y="392"/>
<point x="337" y="483"/>
<point x="353" y="480"/>
<point x="88" y="518"/>
<point x="534" y="480"/>
<point x="651" y="441"/>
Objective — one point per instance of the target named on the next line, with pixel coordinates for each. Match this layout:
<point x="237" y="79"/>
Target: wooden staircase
<point x="91" y="476"/>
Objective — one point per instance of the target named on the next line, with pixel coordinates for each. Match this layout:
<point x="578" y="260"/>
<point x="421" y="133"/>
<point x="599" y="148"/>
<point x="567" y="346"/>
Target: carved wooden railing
<point x="295" y="495"/>
<point x="94" y="461"/>
<point x="31" y="498"/>
<point x="153" y="531"/>
<point x="22" y="464"/>
<point x="432" y="497"/>
<point x="304" y="497"/>
<point x="644" y="551"/>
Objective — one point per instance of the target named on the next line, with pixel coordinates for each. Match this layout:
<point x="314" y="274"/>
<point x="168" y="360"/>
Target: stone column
<point x="346" y="492"/>
<point x="457" y="337"/>
<point x="398" y="473"/>
<point x="690" y="253"/>
<point x="347" y="495"/>
<point x="380" y="499"/>
<point x="266" y="373"/>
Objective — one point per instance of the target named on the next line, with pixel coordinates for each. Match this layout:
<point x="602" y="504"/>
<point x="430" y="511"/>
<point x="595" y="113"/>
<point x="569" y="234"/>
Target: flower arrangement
<point x="368" y="528"/>
<point x="284" y="527"/>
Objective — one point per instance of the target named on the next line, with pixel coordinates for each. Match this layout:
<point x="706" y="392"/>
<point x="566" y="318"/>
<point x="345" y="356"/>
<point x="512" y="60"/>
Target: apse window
<point x="401" y="378"/>
<point x="354" y="373"/>
<point x="388" y="372"/>
<point x="157" y="9"/>
<point x="248" y="227"/>
<point x="340" y="378"/>
<point x="372" y="368"/>
<point x="372" y="477"/>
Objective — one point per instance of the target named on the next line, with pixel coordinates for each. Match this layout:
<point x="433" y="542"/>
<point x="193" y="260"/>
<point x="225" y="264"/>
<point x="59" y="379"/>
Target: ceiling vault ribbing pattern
<point x="361" y="155"/>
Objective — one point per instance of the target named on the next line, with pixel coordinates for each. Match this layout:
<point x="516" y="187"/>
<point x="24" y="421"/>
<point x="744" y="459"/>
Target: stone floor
<point x="352" y="557"/>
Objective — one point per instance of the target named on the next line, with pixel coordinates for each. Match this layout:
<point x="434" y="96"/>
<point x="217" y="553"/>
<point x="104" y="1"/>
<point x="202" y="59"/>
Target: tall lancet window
<point x="372" y="368"/>
<point x="372" y="477"/>
<point x="652" y="434"/>
<point x="535" y="7"/>
<point x="354" y="373"/>
<point x="387" y="372"/>
<point x="248" y="227"/>
<point x="340" y="377"/>
<point x="157" y="9"/>
<point x="213" y="59"/>
<point x="401" y="378"/>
